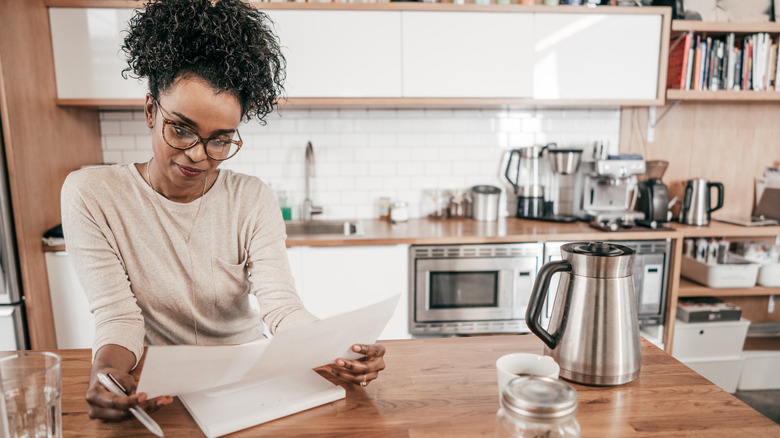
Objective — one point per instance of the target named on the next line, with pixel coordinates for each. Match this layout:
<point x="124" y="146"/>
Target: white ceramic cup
<point x="510" y="366"/>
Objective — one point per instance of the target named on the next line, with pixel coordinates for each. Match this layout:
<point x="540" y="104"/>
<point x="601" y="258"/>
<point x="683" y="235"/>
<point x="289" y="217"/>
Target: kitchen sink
<point x="329" y="227"/>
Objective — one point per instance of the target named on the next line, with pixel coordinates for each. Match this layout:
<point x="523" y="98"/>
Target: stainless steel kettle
<point x="697" y="204"/>
<point x="593" y="333"/>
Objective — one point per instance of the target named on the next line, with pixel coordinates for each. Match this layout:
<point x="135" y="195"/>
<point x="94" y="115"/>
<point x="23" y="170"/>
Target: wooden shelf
<point x="382" y="102"/>
<point x="443" y="5"/>
<point x="723" y="229"/>
<point x="689" y="288"/>
<point x="724" y="27"/>
<point x="724" y="95"/>
<point x="762" y="343"/>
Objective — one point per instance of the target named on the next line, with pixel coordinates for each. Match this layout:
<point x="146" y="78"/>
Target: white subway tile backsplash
<point x="133" y="127"/>
<point x="110" y="127"/>
<point x="364" y="154"/>
<point x="119" y="142"/>
<point x="113" y="156"/>
<point x="119" y="115"/>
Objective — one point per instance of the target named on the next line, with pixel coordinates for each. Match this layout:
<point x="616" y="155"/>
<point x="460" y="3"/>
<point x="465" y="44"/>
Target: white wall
<point x="362" y="155"/>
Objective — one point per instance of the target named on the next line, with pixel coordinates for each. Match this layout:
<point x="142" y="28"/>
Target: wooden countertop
<point x="446" y="387"/>
<point x="465" y="231"/>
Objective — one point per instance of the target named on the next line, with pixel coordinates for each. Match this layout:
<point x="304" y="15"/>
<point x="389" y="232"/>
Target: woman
<point x="169" y="251"/>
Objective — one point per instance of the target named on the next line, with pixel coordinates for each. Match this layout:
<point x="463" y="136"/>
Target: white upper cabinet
<point x="596" y="56"/>
<point x="526" y="55"/>
<point x="88" y="60"/>
<point x="340" y="53"/>
<point x="467" y="54"/>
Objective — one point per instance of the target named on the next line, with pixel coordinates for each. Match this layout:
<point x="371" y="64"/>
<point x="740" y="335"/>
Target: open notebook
<point x="229" y="388"/>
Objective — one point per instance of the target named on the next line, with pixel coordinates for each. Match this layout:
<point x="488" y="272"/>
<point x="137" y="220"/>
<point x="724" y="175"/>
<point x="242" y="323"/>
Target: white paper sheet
<point x="175" y="370"/>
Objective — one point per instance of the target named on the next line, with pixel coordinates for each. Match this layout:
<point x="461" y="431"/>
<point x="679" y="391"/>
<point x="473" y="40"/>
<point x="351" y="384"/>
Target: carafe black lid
<point x="599" y="259"/>
<point x="603" y="249"/>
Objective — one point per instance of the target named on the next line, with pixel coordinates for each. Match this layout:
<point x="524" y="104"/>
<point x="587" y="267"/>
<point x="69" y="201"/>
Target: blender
<point x="528" y="177"/>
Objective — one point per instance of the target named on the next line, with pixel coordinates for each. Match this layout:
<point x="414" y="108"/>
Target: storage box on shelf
<point x="737" y="274"/>
<point x="712" y="349"/>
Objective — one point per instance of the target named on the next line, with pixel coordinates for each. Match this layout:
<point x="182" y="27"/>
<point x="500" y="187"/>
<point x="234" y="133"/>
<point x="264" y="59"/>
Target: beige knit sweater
<point x="147" y="285"/>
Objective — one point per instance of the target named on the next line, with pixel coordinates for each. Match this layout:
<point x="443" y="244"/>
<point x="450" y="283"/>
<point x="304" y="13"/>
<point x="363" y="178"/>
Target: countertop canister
<point x="484" y="200"/>
<point x="533" y="406"/>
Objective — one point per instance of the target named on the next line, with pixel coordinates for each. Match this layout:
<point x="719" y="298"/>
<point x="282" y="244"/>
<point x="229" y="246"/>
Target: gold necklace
<point x="200" y="200"/>
<point x="187" y="240"/>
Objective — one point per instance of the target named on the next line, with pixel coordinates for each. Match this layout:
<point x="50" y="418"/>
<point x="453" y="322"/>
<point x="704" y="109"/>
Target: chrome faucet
<point x="308" y="208"/>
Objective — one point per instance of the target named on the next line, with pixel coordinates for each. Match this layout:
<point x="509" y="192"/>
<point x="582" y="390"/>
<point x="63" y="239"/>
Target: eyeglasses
<point x="219" y="148"/>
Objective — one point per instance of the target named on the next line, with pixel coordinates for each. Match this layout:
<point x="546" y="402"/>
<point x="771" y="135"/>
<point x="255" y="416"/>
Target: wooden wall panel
<point x="43" y="143"/>
<point x="730" y="143"/>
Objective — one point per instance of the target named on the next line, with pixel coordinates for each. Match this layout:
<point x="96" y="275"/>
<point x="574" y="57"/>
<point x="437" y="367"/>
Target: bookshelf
<point x="721" y="31"/>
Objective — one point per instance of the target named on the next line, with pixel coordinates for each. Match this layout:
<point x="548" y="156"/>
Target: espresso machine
<point x="608" y="187"/>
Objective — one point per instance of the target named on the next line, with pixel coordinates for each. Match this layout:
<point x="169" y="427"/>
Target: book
<point x="689" y="68"/>
<point x="738" y="68"/>
<point x="678" y="60"/>
<point x="697" y="64"/>
<point x="731" y="62"/>
<point x="777" y="68"/>
<point x="227" y="388"/>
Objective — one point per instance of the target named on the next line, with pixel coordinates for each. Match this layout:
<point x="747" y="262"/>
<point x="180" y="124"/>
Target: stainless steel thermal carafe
<point x="593" y="333"/>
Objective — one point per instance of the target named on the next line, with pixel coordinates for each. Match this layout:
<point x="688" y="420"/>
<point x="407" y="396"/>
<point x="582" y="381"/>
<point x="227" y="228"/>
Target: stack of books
<point x="725" y="62"/>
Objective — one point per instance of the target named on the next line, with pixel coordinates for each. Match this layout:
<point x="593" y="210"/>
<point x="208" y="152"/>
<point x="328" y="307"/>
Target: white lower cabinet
<point x="336" y="279"/>
<point x="73" y="322"/>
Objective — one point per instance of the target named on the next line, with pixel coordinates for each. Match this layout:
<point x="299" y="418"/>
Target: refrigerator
<point x="13" y="332"/>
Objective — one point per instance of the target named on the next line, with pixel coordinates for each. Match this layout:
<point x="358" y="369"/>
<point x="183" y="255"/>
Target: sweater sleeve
<point x="99" y="266"/>
<point x="269" y="268"/>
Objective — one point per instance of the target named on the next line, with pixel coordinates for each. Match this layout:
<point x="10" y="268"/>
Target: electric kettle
<point x="697" y="203"/>
<point x="593" y="333"/>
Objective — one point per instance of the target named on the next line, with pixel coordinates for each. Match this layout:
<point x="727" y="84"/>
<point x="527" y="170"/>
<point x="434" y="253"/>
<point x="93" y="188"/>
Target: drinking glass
<point x="31" y="385"/>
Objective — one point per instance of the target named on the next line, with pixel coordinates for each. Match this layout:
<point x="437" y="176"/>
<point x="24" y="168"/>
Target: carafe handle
<point x="509" y="166"/>
<point x="685" y="210"/>
<point x="538" y="294"/>
<point x="719" y="186"/>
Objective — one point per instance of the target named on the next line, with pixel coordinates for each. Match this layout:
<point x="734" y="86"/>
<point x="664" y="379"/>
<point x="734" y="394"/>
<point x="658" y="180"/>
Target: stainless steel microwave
<point x="471" y="289"/>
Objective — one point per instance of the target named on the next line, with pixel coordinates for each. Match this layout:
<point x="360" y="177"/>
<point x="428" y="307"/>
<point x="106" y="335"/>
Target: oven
<point x="471" y="289"/>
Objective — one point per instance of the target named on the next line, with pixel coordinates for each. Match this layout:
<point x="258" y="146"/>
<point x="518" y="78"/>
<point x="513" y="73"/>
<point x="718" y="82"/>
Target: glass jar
<point x="535" y="406"/>
<point x="384" y="208"/>
<point x="436" y="203"/>
<point x="399" y="212"/>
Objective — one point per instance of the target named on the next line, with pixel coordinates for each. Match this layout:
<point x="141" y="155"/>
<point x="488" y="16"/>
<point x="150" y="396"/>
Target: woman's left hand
<point x="361" y="371"/>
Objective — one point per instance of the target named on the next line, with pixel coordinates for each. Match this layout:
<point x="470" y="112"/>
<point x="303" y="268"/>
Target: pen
<point x="115" y="387"/>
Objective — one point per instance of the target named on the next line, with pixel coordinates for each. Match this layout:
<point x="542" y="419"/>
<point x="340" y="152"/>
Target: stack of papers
<point x="229" y="388"/>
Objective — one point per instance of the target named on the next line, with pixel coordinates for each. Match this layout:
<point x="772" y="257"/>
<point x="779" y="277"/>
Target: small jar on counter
<point x="399" y="212"/>
<point x="384" y="208"/>
<point x="534" y="406"/>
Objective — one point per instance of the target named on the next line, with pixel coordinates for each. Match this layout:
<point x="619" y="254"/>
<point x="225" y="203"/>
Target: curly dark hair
<point x="229" y="44"/>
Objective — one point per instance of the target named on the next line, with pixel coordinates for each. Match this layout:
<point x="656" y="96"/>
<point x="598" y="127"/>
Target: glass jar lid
<point x="541" y="398"/>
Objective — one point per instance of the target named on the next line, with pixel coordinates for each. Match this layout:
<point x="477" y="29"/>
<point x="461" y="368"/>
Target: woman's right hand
<point x="103" y="404"/>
